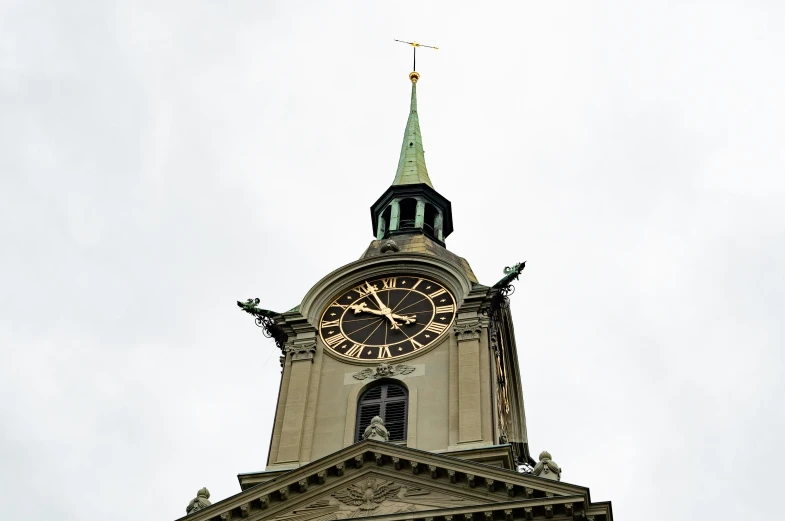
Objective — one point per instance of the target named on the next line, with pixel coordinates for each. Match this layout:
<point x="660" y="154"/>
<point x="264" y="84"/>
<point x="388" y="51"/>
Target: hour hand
<point x="363" y="307"/>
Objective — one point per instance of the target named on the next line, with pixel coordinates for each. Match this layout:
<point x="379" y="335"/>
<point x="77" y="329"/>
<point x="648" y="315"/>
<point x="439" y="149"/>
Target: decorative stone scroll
<point x="383" y="370"/>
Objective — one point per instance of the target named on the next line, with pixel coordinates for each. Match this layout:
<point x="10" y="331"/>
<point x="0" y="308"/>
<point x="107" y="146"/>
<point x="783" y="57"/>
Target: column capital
<point x="302" y="350"/>
<point x="468" y="329"/>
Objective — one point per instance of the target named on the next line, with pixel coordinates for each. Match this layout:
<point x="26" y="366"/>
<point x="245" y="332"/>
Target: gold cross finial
<point x="414" y="48"/>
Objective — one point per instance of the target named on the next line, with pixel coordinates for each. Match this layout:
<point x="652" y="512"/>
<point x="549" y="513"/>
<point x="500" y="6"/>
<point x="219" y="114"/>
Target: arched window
<point x="429" y="220"/>
<point x="388" y="400"/>
<point x="384" y="224"/>
<point x="408" y="213"/>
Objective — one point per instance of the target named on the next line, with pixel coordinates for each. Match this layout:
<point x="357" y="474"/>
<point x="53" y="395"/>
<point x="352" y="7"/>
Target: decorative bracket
<point x="264" y="319"/>
<point x="511" y="273"/>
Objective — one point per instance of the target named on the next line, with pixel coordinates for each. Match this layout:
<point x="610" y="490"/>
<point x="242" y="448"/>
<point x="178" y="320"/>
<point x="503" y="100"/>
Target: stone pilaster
<point x="300" y="354"/>
<point x="486" y="385"/>
<point x="309" y="422"/>
<point x="467" y="333"/>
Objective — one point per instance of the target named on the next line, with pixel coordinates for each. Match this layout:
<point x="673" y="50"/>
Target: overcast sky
<point x="161" y="160"/>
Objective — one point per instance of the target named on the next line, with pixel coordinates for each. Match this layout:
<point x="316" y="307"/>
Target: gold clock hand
<point x="372" y="289"/>
<point x="407" y="320"/>
<point x="384" y="309"/>
<point x="362" y="306"/>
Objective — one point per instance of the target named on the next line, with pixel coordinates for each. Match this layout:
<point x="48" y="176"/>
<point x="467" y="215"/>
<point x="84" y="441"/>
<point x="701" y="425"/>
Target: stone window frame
<point x="353" y="401"/>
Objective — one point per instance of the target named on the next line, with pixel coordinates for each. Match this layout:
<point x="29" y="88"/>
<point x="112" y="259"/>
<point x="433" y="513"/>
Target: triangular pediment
<point x="391" y="482"/>
<point x="377" y="493"/>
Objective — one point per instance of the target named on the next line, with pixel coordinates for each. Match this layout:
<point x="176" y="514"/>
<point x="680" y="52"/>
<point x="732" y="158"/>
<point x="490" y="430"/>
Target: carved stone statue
<point x="376" y="430"/>
<point x="547" y="468"/>
<point x="200" y="502"/>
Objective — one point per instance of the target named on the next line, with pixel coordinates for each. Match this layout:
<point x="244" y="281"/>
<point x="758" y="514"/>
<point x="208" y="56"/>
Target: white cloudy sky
<point x="160" y="160"/>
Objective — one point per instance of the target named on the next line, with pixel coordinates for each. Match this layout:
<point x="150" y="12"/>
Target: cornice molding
<point x="499" y="488"/>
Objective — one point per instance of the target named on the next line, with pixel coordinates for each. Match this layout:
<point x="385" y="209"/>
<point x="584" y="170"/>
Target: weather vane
<point x="414" y="48"/>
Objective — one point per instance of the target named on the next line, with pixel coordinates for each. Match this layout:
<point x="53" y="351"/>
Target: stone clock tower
<point x="400" y="394"/>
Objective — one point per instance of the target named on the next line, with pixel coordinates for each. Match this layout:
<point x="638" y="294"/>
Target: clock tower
<point x="400" y="393"/>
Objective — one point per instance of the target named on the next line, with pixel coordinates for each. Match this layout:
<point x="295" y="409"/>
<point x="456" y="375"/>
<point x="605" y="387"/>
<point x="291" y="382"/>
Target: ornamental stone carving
<point x="376" y="430"/>
<point x="468" y="330"/>
<point x="200" y="502"/>
<point x="302" y="350"/>
<point x="383" y="370"/>
<point x="376" y="495"/>
<point x="390" y="247"/>
<point x="368" y="495"/>
<point x="547" y="468"/>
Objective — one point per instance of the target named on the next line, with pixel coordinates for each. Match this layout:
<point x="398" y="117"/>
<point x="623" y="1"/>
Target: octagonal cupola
<point x="411" y="204"/>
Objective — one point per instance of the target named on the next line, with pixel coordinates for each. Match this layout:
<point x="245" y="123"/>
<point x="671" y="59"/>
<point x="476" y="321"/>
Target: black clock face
<point x="388" y="317"/>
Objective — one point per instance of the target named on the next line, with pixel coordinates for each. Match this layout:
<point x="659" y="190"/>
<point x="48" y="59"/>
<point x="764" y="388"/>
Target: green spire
<point x="411" y="166"/>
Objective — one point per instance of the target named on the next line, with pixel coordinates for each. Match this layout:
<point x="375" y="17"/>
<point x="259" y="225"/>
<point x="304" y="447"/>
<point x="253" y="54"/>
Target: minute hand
<point x="373" y="292"/>
<point x="406" y="320"/>
<point x="387" y="312"/>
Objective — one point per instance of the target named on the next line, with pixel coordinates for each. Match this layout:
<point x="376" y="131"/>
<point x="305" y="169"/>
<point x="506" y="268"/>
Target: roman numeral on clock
<point x="433" y="327"/>
<point x="330" y="323"/>
<point x="437" y="293"/>
<point x="334" y="340"/>
<point x="384" y="352"/>
<point x="389" y="283"/>
<point x="415" y="344"/>
<point x="355" y="351"/>
<point x="445" y="309"/>
<point x="362" y="290"/>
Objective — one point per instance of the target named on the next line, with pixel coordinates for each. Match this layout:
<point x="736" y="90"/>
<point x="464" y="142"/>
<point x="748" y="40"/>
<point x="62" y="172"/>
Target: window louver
<point x="394" y="391"/>
<point x="395" y="420"/>
<point x="374" y="393"/>
<point x="390" y="401"/>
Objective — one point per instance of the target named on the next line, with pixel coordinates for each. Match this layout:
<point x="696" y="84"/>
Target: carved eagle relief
<point x="374" y="496"/>
<point x="368" y="494"/>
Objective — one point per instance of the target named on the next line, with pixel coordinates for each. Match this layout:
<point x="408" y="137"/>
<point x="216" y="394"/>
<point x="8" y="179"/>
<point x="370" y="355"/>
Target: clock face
<point x="384" y="318"/>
